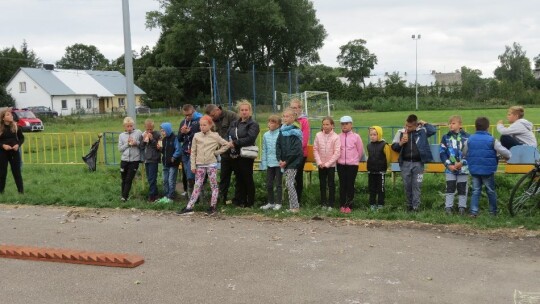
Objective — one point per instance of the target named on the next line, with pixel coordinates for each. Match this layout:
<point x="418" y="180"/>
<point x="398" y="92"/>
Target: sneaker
<point x="329" y="209"/>
<point x="448" y="210"/>
<point x="379" y="207"/>
<point x="293" y="210"/>
<point x="342" y="209"/>
<point x="373" y="208"/>
<point x="461" y="210"/>
<point x="184" y="194"/>
<point x="123" y="199"/>
<point x="185" y="211"/>
<point x="211" y="210"/>
<point x="472" y="215"/>
<point x="268" y="206"/>
<point x="277" y="207"/>
<point x="348" y="210"/>
<point x="165" y="200"/>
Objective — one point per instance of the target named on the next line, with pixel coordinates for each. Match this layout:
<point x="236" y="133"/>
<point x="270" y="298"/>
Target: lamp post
<point x="416" y="38"/>
<point x="211" y="84"/>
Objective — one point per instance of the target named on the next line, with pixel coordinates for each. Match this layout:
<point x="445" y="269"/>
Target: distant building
<point x="536" y="73"/>
<point x="71" y="91"/>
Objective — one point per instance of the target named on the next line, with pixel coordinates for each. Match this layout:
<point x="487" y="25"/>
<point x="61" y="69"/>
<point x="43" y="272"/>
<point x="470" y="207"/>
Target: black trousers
<point x="244" y="194"/>
<point x="274" y="178"/>
<point x="14" y="160"/>
<point x="347" y="177"/>
<point x="299" y="186"/>
<point x="327" y="180"/>
<point x="128" y="171"/>
<point x="376" y="188"/>
<point x="225" y="174"/>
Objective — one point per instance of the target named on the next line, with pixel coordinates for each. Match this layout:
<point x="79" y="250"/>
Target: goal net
<point x="316" y="103"/>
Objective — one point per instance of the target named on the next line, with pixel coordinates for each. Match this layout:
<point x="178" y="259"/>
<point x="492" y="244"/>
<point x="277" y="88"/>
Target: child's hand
<point x="500" y="122"/>
<point x="194" y="170"/>
<point x="16" y="147"/>
<point x="282" y="164"/>
<point x="458" y="165"/>
<point x="404" y="139"/>
<point x="452" y="167"/>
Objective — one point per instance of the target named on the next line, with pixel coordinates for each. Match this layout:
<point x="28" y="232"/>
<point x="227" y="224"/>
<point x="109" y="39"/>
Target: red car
<point x="27" y="120"/>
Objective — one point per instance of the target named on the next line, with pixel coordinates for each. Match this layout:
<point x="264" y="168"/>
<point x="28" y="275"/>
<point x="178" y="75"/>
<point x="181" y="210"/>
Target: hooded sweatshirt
<point x="378" y="153"/>
<point x="521" y="130"/>
<point x="170" y="147"/>
<point x="187" y="138"/>
<point x="304" y="127"/>
<point x="130" y="153"/>
<point x="351" y="149"/>
<point x="326" y="149"/>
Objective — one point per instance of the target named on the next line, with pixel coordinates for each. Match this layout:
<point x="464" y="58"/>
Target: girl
<point x="326" y="149"/>
<point x="347" y="166"/>
<point x="289" y="154"/>
<point x="11" y="139"/>
<point x="269" y="162"/>
<point x="302" y="119"/>
<point x="206" y="145"/>
<point x="128" y="145"/>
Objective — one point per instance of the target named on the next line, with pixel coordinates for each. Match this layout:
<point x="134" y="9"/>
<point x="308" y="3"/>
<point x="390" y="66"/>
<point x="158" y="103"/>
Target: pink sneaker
<point x="347" y="210"/>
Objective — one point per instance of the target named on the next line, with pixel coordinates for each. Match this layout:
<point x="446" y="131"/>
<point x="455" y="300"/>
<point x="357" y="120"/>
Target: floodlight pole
<point x="128" y="60"/>
<point x="415" y="38"/>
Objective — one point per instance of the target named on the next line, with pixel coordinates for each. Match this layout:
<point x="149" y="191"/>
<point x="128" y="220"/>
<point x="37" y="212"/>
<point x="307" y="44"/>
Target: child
<point x="520" y="131"/>
<point x="290" y="155"/>
<point x="151" y="157"/>
<point x="377" y="164"/>
<point x="451" y="152"/>
<point x="128" y="145"/>
<point x="412" y="144"/>
<point x="481" y="153"/>
<point x="206" y="145"/>
<point x="302" y="119"/>
<point x="270" y="163"/>
<point x="326" y="150"/>
<point x="170" y="151"/>
<point x="351" y="151"/>
<point x="11" y="139"/>
<point x="188" y="127"/>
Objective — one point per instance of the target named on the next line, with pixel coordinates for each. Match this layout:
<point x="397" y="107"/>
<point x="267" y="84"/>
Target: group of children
<point x="282" y="154"/>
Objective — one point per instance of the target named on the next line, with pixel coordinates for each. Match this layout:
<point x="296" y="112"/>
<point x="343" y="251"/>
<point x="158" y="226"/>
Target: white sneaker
<point x="277" y="206"/>
<point x="268" y="206"/>
<point x="329" y="208"/>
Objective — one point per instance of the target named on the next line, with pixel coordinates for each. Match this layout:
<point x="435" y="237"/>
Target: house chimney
<point x="48" y="67"/>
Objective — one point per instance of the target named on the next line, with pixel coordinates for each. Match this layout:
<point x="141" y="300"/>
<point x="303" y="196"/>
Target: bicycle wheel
<point x="525" y="196"/>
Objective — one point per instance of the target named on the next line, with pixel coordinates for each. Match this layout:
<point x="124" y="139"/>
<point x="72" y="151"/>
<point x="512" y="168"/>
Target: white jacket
<point x="521" y="129"/>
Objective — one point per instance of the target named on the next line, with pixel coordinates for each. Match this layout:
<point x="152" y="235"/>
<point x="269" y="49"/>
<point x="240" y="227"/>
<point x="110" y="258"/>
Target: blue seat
<point x="435" y="153"/>
<point x="523" y="155"/>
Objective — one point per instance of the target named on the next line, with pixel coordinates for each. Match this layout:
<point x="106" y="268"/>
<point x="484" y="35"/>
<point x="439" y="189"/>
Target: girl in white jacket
<point x="326" y="149"/>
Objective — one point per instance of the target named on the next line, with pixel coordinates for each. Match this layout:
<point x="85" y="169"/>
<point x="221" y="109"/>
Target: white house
<point x="70" y="91"/>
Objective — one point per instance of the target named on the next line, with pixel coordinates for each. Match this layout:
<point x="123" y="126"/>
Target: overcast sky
<point x="454" y="33"/>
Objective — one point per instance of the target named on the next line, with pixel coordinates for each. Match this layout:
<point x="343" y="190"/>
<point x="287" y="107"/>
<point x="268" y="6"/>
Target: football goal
<point x="316" y="103"/>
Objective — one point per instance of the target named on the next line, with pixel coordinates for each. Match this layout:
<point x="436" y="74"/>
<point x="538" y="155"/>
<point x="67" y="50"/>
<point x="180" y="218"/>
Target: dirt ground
<point x="254" y="259"/>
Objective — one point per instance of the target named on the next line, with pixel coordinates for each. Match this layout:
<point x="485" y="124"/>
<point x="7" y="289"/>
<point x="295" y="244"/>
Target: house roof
<point x="80" y="82"/>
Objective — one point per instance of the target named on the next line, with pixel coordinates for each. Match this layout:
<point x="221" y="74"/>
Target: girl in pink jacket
<point x="326" y="150"/>
<point x="351" y="152"/>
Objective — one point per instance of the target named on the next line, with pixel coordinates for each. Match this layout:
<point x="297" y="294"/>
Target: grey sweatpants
<point x="456" y="182"/>
<point x="412" y="174"/>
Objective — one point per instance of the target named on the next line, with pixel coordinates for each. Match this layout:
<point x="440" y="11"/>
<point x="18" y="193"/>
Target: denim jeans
<point x="186" y="165"/>
<point x="169" y="181"/>
<point x="151" y="177"/>
<point x="489" y="182"/>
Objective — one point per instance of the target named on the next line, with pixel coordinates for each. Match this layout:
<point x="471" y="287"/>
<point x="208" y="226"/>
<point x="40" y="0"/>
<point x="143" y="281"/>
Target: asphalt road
<point x="224" y="259"/>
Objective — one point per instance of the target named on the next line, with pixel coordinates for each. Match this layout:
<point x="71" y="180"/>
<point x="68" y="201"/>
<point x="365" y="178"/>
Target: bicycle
<point x="525" y="196"/>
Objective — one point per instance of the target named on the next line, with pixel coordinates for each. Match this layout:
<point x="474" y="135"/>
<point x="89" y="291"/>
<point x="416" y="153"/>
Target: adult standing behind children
<point x="456" y="173"/>
<point x="171" y="154"/>
<point x="412" y="144"/>
<point x="351" y="151"/>
<point x="270" y="164"/>
<point x="520" y="131"/>
<point x="11" y="140"/>
<point x="188" y="127"/>
<point x="289" y="154"/>
<point x="377" y="165"/>
<point x="222" y="121"/>
<point x="128" y="145"/>
<point x="296" y="106"/>
<point x="481" y="153"/>
<point x="152" y="156"/>
<point x="326" y="150"/>
<point x="243" y="133"/>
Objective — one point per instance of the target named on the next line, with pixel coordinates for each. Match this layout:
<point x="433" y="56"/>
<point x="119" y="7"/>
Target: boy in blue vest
<point x="481" y="154"/>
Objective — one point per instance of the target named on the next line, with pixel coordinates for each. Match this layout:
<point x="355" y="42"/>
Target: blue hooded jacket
<point x="170" y="147"/>
<point x="187" y="138"/>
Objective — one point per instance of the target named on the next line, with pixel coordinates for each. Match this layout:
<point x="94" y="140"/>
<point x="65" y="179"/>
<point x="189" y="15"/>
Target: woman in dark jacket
<point x="11" y="139"/>
<point x="243" y="132"/>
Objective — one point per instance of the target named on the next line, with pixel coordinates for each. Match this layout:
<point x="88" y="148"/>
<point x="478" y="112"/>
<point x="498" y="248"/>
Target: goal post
<point x="316" y="103"/>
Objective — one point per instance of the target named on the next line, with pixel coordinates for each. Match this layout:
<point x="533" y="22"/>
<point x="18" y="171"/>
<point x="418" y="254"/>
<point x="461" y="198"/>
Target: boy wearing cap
<point x="351" y="151"/>
<point x="412" y="144"/>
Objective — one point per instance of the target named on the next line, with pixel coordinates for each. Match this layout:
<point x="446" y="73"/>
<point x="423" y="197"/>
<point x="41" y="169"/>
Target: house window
<point x="88" y="103"/>
<point x="22" y="87"/>
<point x="121" y="102"/>
<point x="77" y="104"/>
<point x="64" y="104"/>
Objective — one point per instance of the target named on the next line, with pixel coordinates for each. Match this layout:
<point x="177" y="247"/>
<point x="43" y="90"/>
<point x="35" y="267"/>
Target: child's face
<point x="149" y="128"/>
<point x="410" y="126"/>
<point x="163" y="134"/>
<point x="373" y="136"/>
<point x="455" y="126"/>
<point x="346" y="126"/>
<point x="205" y="126"/>
<point x="272" y="125"/>
<point x="327" y="126"/>
<point x="8" y="118"/>
<point x="288" y="118"/>
<point x="511" y="117"/>
<point x="128" y="127"/>
<point x="296" y="108"/>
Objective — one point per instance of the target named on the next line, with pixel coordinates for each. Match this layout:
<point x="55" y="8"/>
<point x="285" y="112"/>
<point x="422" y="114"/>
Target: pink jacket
<point x="326" y="149"/>
<point x="352" y="148"/>
<point x="304" y="126"/>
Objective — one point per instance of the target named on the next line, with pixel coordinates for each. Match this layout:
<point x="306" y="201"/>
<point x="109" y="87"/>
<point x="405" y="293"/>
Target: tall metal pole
<point x="415" y="38"/>
<point x="211" y="84"/>
<point x="128" y="58"/>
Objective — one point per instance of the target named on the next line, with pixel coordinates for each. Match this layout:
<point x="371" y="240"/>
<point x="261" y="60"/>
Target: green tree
<point x="12" y="59"/>
<point x="83" y="57"/>
<point x="515" y="66"/>
<point x="537" y="62"/>
<point x="356" y="58"/>
<point x="395" y="86"/>
<point x="6" y="100"/>
<point x="472" y="86"/>
<point x="163" y="86"/>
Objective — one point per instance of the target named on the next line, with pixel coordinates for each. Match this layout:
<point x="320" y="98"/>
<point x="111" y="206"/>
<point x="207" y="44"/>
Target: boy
<point x="188" y="127"/>
<point x="152" y="156"/>
<point x="412" y="144"/>
<point x="377" y="164"/>
<point x="451" y="153"/>
<point x="170" y="149"/>
<point x="269" y="162"/>
<point x="520" y="131"/>
<point x="481" y="153"/>
<point x="128" y="145"/>
<point x="351" y="151"/>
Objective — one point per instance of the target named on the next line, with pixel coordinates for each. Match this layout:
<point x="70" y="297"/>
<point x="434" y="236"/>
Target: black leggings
<point x="14" y="159"/>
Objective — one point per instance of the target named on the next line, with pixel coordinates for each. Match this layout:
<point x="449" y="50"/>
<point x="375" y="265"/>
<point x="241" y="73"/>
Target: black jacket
<point x="376" y="161"/>
<point x="11" y="139"/>
<point x="247" y="134"/>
